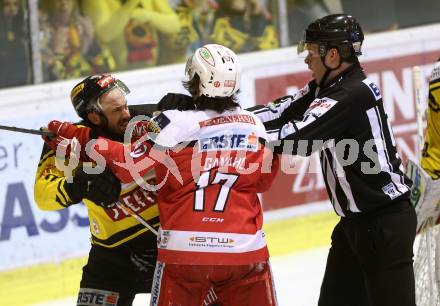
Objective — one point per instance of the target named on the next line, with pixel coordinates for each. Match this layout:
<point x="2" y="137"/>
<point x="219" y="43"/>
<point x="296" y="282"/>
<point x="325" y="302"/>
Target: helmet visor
<point x="305" y="49"/>
<point x="121" y="85"/>
<point x="116" y="84"/>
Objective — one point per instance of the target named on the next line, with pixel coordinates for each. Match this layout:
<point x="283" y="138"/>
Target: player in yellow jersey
<point x="130" y="29"/>
<point x="123" y="254"/>
<point x="425" y="193"/>
<point x="431" y="149"/>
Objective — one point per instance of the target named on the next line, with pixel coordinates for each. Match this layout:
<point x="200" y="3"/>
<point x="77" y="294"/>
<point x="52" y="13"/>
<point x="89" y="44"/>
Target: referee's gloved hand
<point x="176" y="101"/>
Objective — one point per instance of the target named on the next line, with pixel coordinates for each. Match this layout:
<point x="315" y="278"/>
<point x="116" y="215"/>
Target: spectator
<point x="384" y="12"/>
<point x="244" y="26"/>
<point x="302" y="12"/>
<point x="14" y="49"/>
<point x="67" y="42"/>
<point x="130" y="29"/>
<point x="193" y="24"/>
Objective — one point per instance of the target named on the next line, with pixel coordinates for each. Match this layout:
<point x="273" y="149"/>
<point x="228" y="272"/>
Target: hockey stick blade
<point x="41" y="131"/>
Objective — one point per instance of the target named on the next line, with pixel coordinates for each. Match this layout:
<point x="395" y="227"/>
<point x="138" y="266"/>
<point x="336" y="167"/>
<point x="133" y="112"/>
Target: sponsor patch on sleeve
<point x="374" y="88"/>
<point x="160" y="121"/>
<point x="391" y="191"/>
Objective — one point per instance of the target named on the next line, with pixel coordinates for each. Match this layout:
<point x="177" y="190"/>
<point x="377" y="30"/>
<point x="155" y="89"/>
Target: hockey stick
<point x="130" y="212"/>
<point x="419" y="116"/>
<point x="121" y="206"/>
<point x="41" y="131"/>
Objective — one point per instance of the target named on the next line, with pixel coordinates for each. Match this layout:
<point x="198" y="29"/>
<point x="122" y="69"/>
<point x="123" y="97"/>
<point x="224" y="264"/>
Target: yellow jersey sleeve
<point x="431" y="148"/>
<point x="49" y="192"/>
<point x="109" y="227"/>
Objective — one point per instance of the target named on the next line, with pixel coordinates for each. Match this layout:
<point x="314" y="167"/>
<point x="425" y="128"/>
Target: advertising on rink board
<point x="300" y="180"/>
<point x="29" y="235"/>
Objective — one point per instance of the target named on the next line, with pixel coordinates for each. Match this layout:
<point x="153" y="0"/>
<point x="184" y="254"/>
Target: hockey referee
<point x="341" y="113"/>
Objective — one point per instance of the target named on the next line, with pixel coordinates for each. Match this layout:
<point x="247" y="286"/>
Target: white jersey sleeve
<point x="175" y="127"/>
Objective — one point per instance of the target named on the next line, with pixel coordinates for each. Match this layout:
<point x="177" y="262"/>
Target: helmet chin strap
<point x="328" y="70"/>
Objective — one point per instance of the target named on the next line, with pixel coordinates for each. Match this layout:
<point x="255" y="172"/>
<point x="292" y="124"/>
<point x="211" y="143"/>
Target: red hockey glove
<point x="138" y="129"/>
<point x="64" y="132"/>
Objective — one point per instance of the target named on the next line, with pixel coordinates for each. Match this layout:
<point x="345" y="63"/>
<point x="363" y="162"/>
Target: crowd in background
<point x="79" y="37"/>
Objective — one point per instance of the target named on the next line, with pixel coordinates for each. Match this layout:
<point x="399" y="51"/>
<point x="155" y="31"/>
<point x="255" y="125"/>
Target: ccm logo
<point x="217" y="220"/>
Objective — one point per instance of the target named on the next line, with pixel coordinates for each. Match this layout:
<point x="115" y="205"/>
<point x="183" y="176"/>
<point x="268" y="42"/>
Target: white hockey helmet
<point x="218" y="68"/>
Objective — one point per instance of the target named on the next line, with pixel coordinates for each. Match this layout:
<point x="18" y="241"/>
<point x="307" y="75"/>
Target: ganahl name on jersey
<point x="235" y="141"/>
<point x="137" y="199"/>
<point x="94" y="297"/>
<point x="236" y="162"/>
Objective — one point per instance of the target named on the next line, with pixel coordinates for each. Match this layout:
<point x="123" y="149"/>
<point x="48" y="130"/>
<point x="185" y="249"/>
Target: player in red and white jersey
<point x="211" y="218"/>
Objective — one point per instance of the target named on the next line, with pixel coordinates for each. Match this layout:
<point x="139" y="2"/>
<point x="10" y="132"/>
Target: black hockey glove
<point x="77" y="189"/>
<point x="102" y="189"/>
<point x="176" y="101"/>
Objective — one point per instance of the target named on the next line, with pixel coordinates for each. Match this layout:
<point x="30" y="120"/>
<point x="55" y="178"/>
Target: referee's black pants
<point x="370" y="262"/>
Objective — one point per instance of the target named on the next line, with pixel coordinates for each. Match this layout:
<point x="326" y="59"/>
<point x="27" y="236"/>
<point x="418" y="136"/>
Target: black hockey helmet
<point x="90" y="89"/>
<point x="339" y="31"/>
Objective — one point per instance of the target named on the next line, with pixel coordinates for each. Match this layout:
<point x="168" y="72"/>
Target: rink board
<point x="45" y="282"/>
<point x="32" y="238"/>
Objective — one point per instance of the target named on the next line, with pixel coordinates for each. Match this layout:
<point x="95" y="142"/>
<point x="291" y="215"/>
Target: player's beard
<point x="122" y="126"/>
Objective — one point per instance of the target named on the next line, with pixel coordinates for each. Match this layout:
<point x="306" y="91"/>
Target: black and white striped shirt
<point x="346" y="121"/>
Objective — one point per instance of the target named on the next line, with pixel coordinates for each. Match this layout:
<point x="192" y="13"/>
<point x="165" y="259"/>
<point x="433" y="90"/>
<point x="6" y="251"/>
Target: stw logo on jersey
<point x="212" y="240"/>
